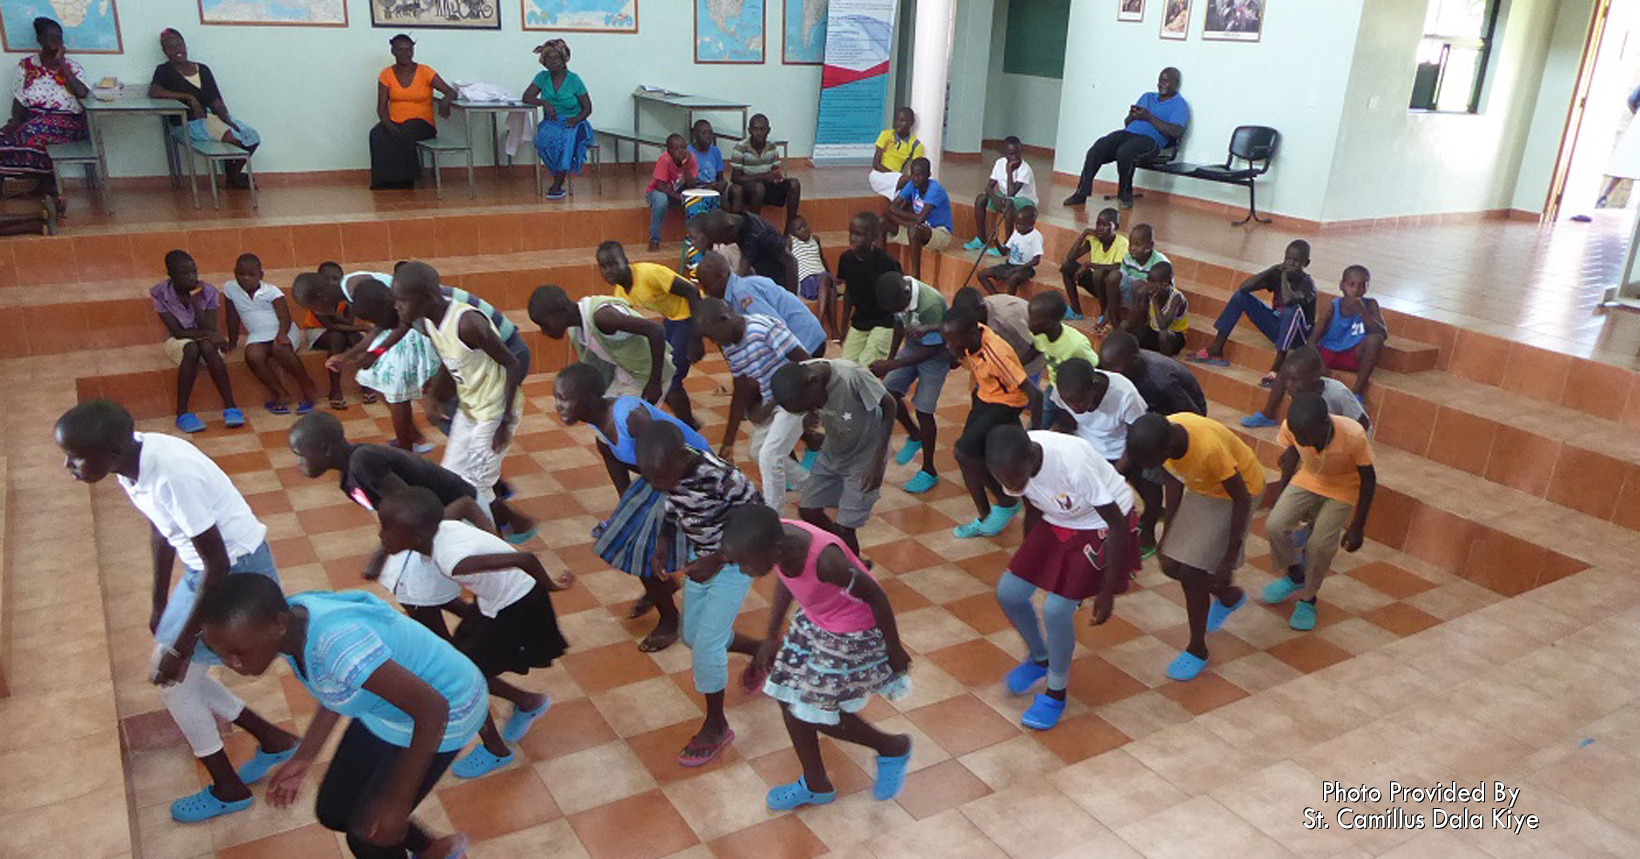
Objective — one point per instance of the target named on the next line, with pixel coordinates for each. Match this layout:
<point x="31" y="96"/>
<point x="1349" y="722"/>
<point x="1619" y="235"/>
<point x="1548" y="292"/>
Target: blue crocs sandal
<point x="975" y="528"/>
<point x="908" y="453"/>
<point x="480" y="761"/>
<point x="973" y="244"/>
<point x="1185" y="667"/>
<point x="995" y="251"/>
<point x="922" y="482"/>
<point x="796" y="795"/>
<point x="1073" y="316"/>
<point x="997" y="522"/>
<point x="254" y="769"/>
<point x="518" y="724"/>
<point x="304" y="407"/>
<point x="1279" y="590"/>
<point x="1023" y="676"/>
<point x="519" y="538"/>
<point x="190" y="422"/>
<point x="1218" y="612"/>
<point x="1043" y="713"/>
<point x="890" y="776"/>
<point x="233" y="418"/>
<point x="1257" y="420"/>
<point x="197" y="807"/>
<point x="1303" y="618"/>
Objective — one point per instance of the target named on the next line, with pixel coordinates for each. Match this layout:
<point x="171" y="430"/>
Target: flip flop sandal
<point x="338" y="404"/>
<point x="304" y="407"/>
<point x="369" y="398"/>
<point x="703" y="755"/>
<point x="655" y="643"/>
<point x="276" y="408"/>
<point x="1201" y="357"/>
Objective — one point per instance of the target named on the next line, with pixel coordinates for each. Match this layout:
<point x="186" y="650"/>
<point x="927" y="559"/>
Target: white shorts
<point x="468" y="452"/>
<point x="884" y="183"/>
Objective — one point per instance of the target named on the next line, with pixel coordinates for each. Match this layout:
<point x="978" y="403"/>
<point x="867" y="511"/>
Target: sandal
<point x="1200" y="356"/>
<point x="369" y="397"/>
<point x="698" y="756"/>
<point x="1269" y="381"/>
<point x="276" y="408"/>
<point x="655" y="642"/>
<point x="197" y="807"/>
<point x="338" y="404"/>
<point x="794" y="795"/>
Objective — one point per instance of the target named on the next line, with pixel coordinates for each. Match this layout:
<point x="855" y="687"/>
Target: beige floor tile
<point x="722" y="801"/>
<point x="1200" y="827"/>
<point x="854" y="819"/>
<point x="645" y="705"/>
<point x="1011" y="762"/>
<point x="592" y="777"/>
<point x="1116" y="788"/>
<point x="949" y="835"/>
<point x="1190" y="756"/>
<point x="1033" y="819"/>
<point x="1143" y="714"/>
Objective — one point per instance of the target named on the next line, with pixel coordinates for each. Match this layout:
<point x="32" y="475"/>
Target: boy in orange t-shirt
<point x="1327" y="480"/>
<point x="1001" y="392"/>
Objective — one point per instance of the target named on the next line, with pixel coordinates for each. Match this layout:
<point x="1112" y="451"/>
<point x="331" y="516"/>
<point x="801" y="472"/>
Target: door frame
<point x="1574" y="111"/>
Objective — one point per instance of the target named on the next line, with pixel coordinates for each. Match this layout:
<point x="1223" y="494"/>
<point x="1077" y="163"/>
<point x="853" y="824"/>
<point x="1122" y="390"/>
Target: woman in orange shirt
<point x="404" y="102"/>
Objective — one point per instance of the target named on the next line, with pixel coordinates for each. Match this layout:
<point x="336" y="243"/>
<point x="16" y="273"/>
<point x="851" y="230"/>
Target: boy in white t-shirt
<point x="509" y="626"/>
<point x="197" y="515"/>
<point x="1096" y="407"/>
<point x="1081" y="540"/>
<point x="271" y="338"/>
<point x="1012" y="186"/>
<point x="1024" y="253"/>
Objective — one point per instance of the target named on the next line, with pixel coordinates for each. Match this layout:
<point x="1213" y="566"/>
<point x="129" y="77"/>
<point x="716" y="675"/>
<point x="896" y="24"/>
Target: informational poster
<point x="854" y="82"/>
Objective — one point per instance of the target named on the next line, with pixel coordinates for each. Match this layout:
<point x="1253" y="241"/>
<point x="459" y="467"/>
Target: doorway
<point x="1602" y="121"/>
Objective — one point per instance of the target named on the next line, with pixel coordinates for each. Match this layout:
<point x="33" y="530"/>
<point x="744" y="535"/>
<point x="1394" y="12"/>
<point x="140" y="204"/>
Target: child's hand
<point x="171" y="667"/>
<point x="1353" y="537"/>
<point x="1102" y="606"/>
<point x="562" y="583"/>
<point x="286" y="781"/>
<point x="899" y="661"/>
<point x="881" y="368"/>
<point x="503" y="433"/>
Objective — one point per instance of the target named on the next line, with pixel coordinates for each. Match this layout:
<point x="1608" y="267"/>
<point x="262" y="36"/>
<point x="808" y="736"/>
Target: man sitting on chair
<point x="1155" y="121"/>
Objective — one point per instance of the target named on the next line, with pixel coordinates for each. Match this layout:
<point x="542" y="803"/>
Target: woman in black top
<point x="208" y="119"/>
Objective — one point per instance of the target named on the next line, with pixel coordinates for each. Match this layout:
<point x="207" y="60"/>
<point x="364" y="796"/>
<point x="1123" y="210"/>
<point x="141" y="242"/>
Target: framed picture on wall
<point x="587" y="16"/>
<point x="1176" y="19"/>
<point x="436" y="14"/>
<point x="273" y="13"/>
<point x="1130" y="10"/>
<point x="803" y="32"/>
<point x="97" y="31"/>
<point x="729" y="31"/>
<point x="1234" y="20"/>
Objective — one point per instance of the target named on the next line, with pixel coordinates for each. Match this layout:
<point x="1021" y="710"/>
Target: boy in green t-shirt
<point x="1056" y="342"/>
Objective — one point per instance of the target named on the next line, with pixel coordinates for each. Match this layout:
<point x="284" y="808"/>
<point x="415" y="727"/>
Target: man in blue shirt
<point x="923" y="210"/>
<point x="1158" y="119"/>
<point x="755" y="294"/>
<point x="709" y="169"/>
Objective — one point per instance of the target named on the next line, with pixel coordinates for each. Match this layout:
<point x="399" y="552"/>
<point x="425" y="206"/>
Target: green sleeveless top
<point x="623" y="357"/>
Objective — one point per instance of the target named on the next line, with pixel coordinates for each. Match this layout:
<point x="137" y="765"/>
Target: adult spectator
<point x="760" y="176"/>
<point x="45" y="109"/>
<point x="1158" y="119"/>
<point x="564" y="134"/>
<point x="404" y="103"/>
<point x="208" y="119"/>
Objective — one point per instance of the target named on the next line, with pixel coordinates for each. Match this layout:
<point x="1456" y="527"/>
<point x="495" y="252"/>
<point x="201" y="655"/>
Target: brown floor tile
<point x="1078" y="738"/>
<point x="607" y="667"/>
<point x="1207" y="692"/>
<point x="1402" y="619"/>
<point x="312" y="840"/>
<point x="658" y="749"/>
<point x="944" y="785"/>
<point x="903" y="556"/>
<point x="569" y="727"/>
<point x="962" y="724"/>
<point x="1309" y="653"/>
<point x="1108" y="634"/>
<point x="782" y="838"/>
<point x="1095" y="682"/>
<point x="977" y="663"/>
<point x="646" y="826"/>
<point x="1390" y="579"/>
<point x="981" y="611"/>
<point x="499" y="803"/>
<point x="918" y="519"/>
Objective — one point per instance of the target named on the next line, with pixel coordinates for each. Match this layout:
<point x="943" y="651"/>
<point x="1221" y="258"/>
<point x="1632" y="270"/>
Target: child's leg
<point x="1322" y="545"/>
<point x="1111" y="301"/>
<point x="193" y="705"/>
<point x="187" y="372"/>
<point x="1290" y="512"/>
<point x="334" y="343"/>
<point x="658" y="591"/>
<point x="1014" y="596"/>
<point x="817" y="517"/>
<point x="1008" y="213"/>
<point x="212" y="357"/>
<point x="1278" y="392"/>
<point x="354" y="781"/>
<point x="1171" y="342"/>
<point x="1067" y="276"/>
<point x="1367" y="353"/>
<point x="1059" y="619"/>
<point x="985" y="275"/>
<point x="1197" y="600"/>
<point x="709" y="610"/>
<point x="970" y="451"/>
<point x="680" y="335"/>
<point x="981" y="212"/>
<point x="405" y="431"/>
<point x="256" y="355"/>
<point x="287" y="360"/>
<point x="658" y="204"/>
<point x="850" y="729"/>
<point x="918" y="237"/>
<point x="794" y="196"/>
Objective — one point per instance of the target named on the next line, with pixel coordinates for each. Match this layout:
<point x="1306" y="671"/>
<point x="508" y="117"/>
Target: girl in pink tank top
<point x="842" y="647"/>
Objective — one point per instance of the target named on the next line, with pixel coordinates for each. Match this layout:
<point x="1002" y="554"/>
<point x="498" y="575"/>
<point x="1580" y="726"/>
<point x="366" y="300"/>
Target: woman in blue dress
<point x="564" y="134"/>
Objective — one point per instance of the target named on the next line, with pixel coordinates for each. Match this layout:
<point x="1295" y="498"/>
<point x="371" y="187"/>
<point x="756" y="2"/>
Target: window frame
<point x="1484" y="43"/>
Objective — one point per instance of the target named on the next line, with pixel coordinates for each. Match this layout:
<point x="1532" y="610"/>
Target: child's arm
<point x="174" y="662"/>
<point x="611" y="321"/>
<point x="1079" y="248"/>
<point x="177" y="332"/>
<point x="834" y="568"/>
<point x="476" y="332"/>
<point x="1356" y="533"/>
<point x="526" y="561"/>
<point x="1172" y="495"/>
<point x="779" y="606"/>
<point x="286" y="781"/>
<point x="233" y="326"/>
<point x="1323" y="321"/>
<point x="281" y="309"/>
<point x="687" y="290"/>
<point x="164" y="559"/>
<point x="1119" y="547"/>
<point x="383" y="817"/>
<point x="877" y="161"/>
<point x="1241" y="512"/>
<point x="1255" y="282"/>
<point x="886" y="409"/>
<point x="1373" y="316"/>
<point x="1033" y="402"/>
<point x="467" y="510"/>
<point x="1289" y="467"/>
<point x="745" y="390"/>
<point x="895" y="361"/>
<point x="1033" y="262"/>
<point x="1168" y="311"/>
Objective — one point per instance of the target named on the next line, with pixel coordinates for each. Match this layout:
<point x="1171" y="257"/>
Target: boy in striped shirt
<point x="756" y="346"/>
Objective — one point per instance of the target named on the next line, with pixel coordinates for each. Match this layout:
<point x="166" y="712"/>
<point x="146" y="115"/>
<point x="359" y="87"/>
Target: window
<point x="1453" y="55"/>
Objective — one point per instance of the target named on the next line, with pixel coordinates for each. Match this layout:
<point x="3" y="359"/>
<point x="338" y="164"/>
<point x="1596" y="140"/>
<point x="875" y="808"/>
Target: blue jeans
<point x="709" y="612"/>
<point x="1014" y="595"/>
<point x="180" y="604"/>
<point x="680" y="335"/>
<point x="1285" y="329"/>
<point x="658" y="204"/>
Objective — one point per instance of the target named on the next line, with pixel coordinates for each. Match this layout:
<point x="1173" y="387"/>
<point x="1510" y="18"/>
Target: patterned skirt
<point x="628" y="541"/>
<point x="819" y="675"/>
<point x="400" y="373"/>
<point x="563" y="148"/>
<point x="23" y="150"/>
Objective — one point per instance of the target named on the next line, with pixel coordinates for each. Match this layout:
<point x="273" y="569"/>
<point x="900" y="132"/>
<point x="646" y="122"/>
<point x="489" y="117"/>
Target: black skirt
<point x="394" y="162"/>
<point x="521" y="636"/>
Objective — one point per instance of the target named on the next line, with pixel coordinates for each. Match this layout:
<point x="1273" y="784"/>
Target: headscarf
<point x="559" y="45"/>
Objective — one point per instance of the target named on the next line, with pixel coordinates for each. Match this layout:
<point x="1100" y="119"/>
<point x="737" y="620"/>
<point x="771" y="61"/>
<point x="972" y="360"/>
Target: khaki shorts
<point x="864" y="347"/>
<point x="1200" y="532"/>
<point x="939" y="241"/>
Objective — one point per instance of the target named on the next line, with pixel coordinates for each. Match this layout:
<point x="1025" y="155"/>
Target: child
<point x="812" y="275"/>
<point x="1096" y="406"/>
<point x="1158" y="318"/>
<point x="858" y="416"/>
<point x="1081" y="540"/>
<point x="1008" y="316"/>
<point x="674" y="171"/>
<point x="755" y="346"/>
<point x="701" y="490"/>
<point x="1168" y="388"/>
<point x="486" y="377"/>
<point x="329" y="313"/>
<point x="1285" y="321"/>
<point x="919" y="357"/>
<point x="760" y="295"/>
<point x="870" y="327"/>
<point x="1001" y="393"/>
<point x="270" y="338"/>
<point x="922" y="210"/>
<point x="1024" y="254"/>
<point x="194" y="513"/>
<point x="658" y="289"/>
<point x="895" y="147"/>
<point x="414" y="701"/>
<point x="1327" y="480"/>
<point x="762" y="247"/>
<point x="1105" y="249"/>
<point x="1011" y="188"/>
<point x="630" y="352"/>
<point x="398" y="371"/>
<point x="709" y="168"/>
<point x="636" y="532"/>
<point x="509" y="627"/>
<point x="1350" y="331"/>
<point x="1141" y="257"/>
<point x="1304" y="373"/>
<point x="187" y="307"/>
<point x="843" y="647"/>
<point x="759" y="176"/>
<point x="1217" y="478"/>
<point x="1057" y="343"/>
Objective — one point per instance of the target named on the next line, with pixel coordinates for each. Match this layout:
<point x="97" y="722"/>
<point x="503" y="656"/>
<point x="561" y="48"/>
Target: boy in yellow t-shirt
<point x="896" y="148"/>
<point x="1211" y="479"/>
<point x="1102" y="272"/>
<point x="656" y="288"/>
<point x="1327" y="480"/>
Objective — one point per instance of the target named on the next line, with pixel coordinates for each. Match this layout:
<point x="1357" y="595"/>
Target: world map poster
<point x="729" y="31"/>
<point x="607" y="16"/>
<point x="273" y="13"/>
<point x="804" y="32"/>
<point x="89" y="26"/>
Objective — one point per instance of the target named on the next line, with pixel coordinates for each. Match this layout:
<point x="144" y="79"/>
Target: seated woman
<point x="194" y="85"/>
<point x="564" y="134"/>
<point x="404" y="103"/>
<point x="45" y="109"/>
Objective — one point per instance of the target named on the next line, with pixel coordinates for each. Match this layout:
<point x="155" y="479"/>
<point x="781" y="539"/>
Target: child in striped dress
<point x="812" y="275"/>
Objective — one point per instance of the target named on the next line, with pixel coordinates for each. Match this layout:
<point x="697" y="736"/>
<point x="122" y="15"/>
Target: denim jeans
<point x="1284" y="328"/>
<point x="658" y="204"/>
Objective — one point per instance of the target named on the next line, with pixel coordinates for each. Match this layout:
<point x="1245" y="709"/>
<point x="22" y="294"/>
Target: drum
<point x="696" y="201"/>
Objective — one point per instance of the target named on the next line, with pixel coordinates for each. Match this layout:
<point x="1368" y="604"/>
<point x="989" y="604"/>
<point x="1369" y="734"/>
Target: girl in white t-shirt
<point x="271" y="338"/>
<point x="1024" y="254"/>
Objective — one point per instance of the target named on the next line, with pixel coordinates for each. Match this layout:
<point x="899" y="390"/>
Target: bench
<point x="435" y="146"/>
<point x="1253" y="145"/>
<point x="215" y="152"/>
<point x="82" y="152"/>
<point x="636" y="138"/>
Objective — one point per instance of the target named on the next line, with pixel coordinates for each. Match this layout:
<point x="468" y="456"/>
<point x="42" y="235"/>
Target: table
<point x="176" y="151"/>
<point x="497" y="108"/>
<point x="690" y="104"/>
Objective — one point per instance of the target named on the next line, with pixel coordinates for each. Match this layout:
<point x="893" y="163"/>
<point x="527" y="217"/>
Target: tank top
<point x="626" y="352"/>
<point x="1343" y="332"/>
<point x="1180" y="324"/>
<point x="481" y="383"/>
<point x="828" y="606"/>
<point x="624" y="446"/>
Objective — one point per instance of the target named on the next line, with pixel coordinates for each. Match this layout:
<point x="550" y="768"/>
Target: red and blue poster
<point x="854" y="82"/>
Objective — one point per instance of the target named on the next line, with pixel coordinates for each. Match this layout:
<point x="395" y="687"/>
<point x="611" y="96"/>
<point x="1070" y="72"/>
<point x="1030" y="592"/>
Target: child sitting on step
<point x="271" y="338"/>
<point x="1350" y="331"/>
<point x="1024" y="255"/>
<point x="187" y="307"/>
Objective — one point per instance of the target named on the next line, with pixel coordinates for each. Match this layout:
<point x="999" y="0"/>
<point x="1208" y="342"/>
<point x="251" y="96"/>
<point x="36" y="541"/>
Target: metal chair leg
<point x="1252" y="206"/>
<point x="250" y="177"/>
<point x="210" y="178"/>
<point x="472" y="190"/>
<point x="438" y="178"/>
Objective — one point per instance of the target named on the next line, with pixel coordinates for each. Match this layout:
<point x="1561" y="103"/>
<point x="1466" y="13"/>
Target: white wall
<point x="311" y="91"/>
<point x="1554" y="97"/>
<point x="1293" y="80"/>
<point x="1391" y="161"/>
<point x="1021" y="105"/>
<point x="970" y="75"/>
